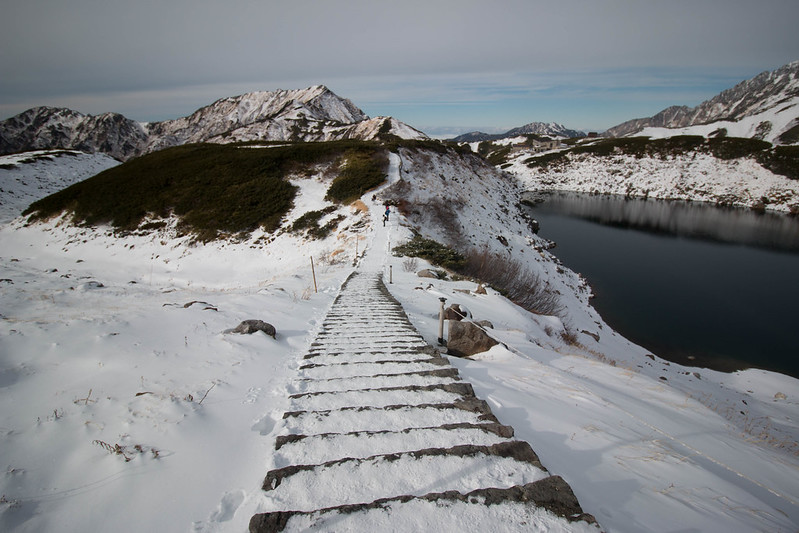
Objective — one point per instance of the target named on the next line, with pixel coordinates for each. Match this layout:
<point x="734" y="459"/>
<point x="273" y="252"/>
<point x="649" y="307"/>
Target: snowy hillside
<point x="312" y="114"/>
<point x="29" y="176"/>
<point x="129" y="408"/>
<point x="695" y="176"/>
<point x="765" y="107"/>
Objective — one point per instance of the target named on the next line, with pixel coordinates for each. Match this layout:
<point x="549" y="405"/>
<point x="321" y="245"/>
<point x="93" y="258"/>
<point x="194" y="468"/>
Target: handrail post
<point x="441" y="341"/>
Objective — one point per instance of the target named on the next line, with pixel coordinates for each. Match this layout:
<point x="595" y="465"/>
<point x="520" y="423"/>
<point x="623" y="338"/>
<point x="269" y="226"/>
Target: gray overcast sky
<point x="441" y="66"/>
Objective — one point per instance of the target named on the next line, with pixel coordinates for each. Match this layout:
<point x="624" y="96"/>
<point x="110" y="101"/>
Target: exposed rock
<point x="427" y="273"/>
<point x="484" y="324"/>
<point x="481" y="289"/>
<point x="467" y="338"/>
<point x="249" y="327"/>
<point x="456" y="312"/>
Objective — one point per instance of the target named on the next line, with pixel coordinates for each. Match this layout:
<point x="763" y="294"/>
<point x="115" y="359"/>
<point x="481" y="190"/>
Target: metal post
<point x="390" y="274"/>
<point x="441" y="341"/>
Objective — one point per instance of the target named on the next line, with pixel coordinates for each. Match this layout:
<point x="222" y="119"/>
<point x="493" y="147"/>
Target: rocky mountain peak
<point x="776" y="91"/>
<point x="312" y="114"/>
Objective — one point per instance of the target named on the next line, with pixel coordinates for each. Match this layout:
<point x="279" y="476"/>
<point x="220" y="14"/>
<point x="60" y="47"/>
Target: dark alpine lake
<point x="695" y="284"/>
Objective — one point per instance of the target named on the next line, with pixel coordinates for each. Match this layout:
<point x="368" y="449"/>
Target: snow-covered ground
<point x="126" y="406"/>
<point x="26" y="177"/>
<point x="692" y="177"/>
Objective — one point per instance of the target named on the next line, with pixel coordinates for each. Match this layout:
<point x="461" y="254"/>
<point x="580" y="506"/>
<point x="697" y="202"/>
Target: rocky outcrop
<point x="765" y="91"/>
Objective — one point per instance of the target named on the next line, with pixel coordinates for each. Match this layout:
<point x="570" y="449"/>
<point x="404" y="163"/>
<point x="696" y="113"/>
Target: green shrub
<point x="783" y="160"/>
<point x="790" y="136"/>
<point x="363" y="169"/>
<point x="432" y="251"/>
<point x="545" y="160"/>
<point x="499" y="156"/>
<point x="309" y="222"/>
<point x="736" y="147"/>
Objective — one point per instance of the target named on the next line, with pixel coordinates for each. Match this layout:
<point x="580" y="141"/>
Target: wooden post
<point x="313" y="272"/>
<point x="390" y="274"/>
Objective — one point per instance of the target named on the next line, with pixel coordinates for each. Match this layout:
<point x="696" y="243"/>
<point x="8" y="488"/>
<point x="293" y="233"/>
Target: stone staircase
<point x="383" y="435"/>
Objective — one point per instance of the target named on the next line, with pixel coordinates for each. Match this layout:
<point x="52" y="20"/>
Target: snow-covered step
<point x="359" y="382"/>
<point x="384" y="368"/>
<point x="545" y="505"/>
<point x="353" y="419"/>
<point x="373" y="342"/>
<point x="446" y="393"/>
<point x="461" y="468"/>
<point x="318" y="449"/>
<point x="370" y="354"/>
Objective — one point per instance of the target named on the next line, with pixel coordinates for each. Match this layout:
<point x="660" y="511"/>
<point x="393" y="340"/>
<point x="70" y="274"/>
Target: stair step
<point x="460" y="468"/>
<point x="360" y="382"/>
<point x="358" y="368"/>
<point x="391" y="418"/>
<point x="367" y="355"/>
<point x="317" y="449"/>
<point x="545" y="505"/>
<point x="382" y="397"/>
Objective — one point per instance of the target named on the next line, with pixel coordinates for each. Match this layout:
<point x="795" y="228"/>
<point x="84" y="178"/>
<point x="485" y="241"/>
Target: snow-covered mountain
<point x="549" y="129"/>
<point x="312" y="114"/>
<point x="764" y="107"/>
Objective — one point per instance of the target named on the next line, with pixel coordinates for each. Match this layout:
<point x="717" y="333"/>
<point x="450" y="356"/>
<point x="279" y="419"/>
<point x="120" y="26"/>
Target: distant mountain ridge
<point x="776" y="92"/>
<point x="312" y="114"/>
<point x="550" y="129"/>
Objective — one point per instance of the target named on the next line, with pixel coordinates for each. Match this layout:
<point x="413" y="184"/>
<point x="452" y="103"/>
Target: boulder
<point x="481" y="289"/>
<point x="455" y="312"/>
<point x="249" y="327"/>
<point x="427" y="273"/>
<point x="467" y="338"/>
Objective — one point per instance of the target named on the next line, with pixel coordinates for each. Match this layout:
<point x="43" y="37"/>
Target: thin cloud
<point x="437" y="63"/>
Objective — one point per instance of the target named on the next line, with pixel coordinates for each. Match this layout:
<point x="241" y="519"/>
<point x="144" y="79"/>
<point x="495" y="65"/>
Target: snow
<point x="780" y="118"/>
<point x="692" y="177"/>
<point x="26" y="177"/>
<point x="140" y="360"/>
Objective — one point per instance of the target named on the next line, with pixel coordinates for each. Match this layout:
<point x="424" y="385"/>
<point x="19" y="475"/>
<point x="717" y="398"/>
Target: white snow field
<point x="126" y="407"/>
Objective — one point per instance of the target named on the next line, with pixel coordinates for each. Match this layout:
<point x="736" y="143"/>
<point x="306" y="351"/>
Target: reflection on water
<point x="693" y="283"/>
<point x="686" y="219"/>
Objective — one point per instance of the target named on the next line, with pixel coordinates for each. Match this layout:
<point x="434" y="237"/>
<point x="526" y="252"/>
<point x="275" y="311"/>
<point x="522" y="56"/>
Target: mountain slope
<point x="772" y="96"/>
<point x="550" y="129"/>
<point x="312" y="114"/>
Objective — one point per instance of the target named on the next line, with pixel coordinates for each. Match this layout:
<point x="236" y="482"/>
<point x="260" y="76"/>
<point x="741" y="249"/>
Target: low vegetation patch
<point x="432" y="251"/>
<point x="362" y="169"/>
<point x="783" y="160"/>
<point x="519" y="284"/>
<point x="309" y="223"/>
<point x="215" y="190"/>
<point x="513" y="280"/>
